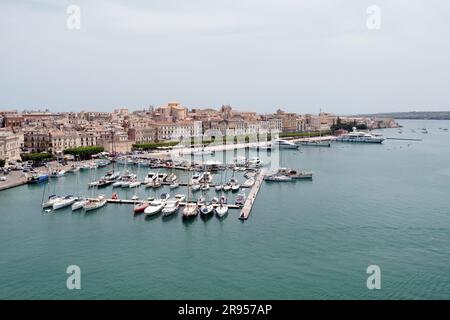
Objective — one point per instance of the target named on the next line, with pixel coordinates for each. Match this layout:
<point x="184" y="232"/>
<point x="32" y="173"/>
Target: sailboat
<point x="191" y="209"/>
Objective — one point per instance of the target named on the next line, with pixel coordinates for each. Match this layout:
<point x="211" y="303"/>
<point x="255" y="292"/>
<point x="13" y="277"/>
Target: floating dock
<point x="248" y="204"/>
<point x="128" y="201"/>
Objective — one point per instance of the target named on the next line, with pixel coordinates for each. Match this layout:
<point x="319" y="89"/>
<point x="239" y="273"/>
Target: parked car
<point x="2" y="178"/>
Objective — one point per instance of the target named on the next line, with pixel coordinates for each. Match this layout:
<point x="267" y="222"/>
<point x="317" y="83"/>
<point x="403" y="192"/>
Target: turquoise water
<point x="385" y="205"/>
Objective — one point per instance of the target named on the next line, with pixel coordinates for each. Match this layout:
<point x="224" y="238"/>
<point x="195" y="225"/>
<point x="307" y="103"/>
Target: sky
<point x="257" y="55"/>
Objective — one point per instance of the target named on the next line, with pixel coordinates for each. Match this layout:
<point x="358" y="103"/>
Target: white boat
<point x="360" y="137"/>
<point x="64" y="202"/>
<point x="171" y="207"/>
<point x="117" y="184"/>
<point x="135" y="197"/>
<point x="250" y="174"/>
<point x="171" y="177"/>
<point x="57" y="173"/>
<point x="190" y="210"/>
<point x="284" y="144"/>
<point x="134" y="184"/>
<point x="240" y="199"/>
<point x="79" y="204"/>
<point x="227" y="187"/>
<point x="205" y="187"/>
<point x="206" y="209"/>
<point x="278" y="178"/>
<point x="218" y="187"/>
<point x="235" y="187"/>
<point x="174" y="185"/>
<point x="154" y="207"/>
<point x="195" y="187"/>
<point x="52" y="199"/>
<point x="249" y="182"/>
<point x="255" y="162"/>
<point x="221" y="210"/>
<point x="180" y="197"/>
<point x="94" y="204"/>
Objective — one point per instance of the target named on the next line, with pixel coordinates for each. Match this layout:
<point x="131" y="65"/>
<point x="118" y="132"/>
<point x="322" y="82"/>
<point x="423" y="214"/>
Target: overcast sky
<point x="258" y="55"/>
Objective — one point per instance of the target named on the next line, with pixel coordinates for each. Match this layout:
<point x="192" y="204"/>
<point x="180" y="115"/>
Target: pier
<point x="248" y="204"/>
<point x="404" y="139"/>
<point x="128" y="201"/>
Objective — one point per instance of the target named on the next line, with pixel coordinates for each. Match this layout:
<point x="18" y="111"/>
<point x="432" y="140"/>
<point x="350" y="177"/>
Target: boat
<point x="277" y="178"/>
<point x="284" y="144"/>
<point x="180" y="197"/>
<point x="94" y="204"/>
<point x="79" y="204"/>
<point x="206" y="209"/>
<point x="240" y="199"/>
<point x="227" y="187"/>
<point x="154" y="207"/>
<point x="218" y="187"/>
<point x="140" y="207"/>
<point x="37" y="178"/>
<point x="190" y="210"/>
<point x="205" y="187"/>
<point x="195" y="187"/>
<point x="135" y="197"/>
<point x="171" y="207"/>
<point x="135" y="183"/>
<point x="359" y="137"/>
<point x="164" y="196"/>
<point x="200" y="201"/>
<point x="57" y="173"/>
<point x="162" y="176"/>
<point x="314" y="143"/>
<point x="102" y="163"/>
<point x="235" y="187"/>
<point x="215" y="200"/>
<point x="150" y="177"/>
<point x="255" y="162"/>
<point x="249" y="182"/>
<point x="117" y="184"/>
<point x="52" y="199"/>
<point x="294" y="174"/>
<point x="73" y="169"/>
<point x="250" y="174"/>
<point x="85" y="166"/>
<point x="64" y="202"/>
<point x="174" y="185"/>
<point x="171" y="178"/>
<point x="222" y="209"/>
<point x="104" y="182"/>
<point x="264" y="147"/>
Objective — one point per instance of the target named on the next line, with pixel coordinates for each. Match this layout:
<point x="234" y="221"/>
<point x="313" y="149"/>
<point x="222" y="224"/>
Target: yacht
<point x="154" y="207"/>
<point x="360" y="137"/>
<point x="94" y="204"/>
<point x="64" y="202"/>
<point x="79" y="204"/>
<point x="52" y="199"/>
<point x="171" y="207"/>
<point x="206" y="209"/>
<point x="284" y="144"/>
<point x="190" y="210"/>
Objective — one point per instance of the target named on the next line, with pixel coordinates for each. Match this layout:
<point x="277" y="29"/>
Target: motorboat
<point x="360" y="137"/>
<point x="294" y="174"/>
<point x="227" y="187"/>
<point x="235" y="187"/>
<point x="154" y="207"/>
<point x="250" y="174"/>
<point x="77" y="205"/>
<point x="150" y="177"/>
<point x="37" y="178"/>
<point x="215" y="200"/>
<point x="240" y="199"/>
<point x="218" y="187"/>
<point x="249" y="182"/>
<point x="135" y="197"/>
<point x="171" y="177"/>
<point x="195" y="187"/>
<point x="64" y="202"/>
<point x="57" y="173"/>
<point x="140" y="207"/>
<point x="205" y="187"/>
<point x="284" y="144"/>
<point x="171" y="207"/>
<point x="174" y="185"/>
<point x="278" y="178"/>
<point x="135" y="183"/>
<point x="180" y="197"/>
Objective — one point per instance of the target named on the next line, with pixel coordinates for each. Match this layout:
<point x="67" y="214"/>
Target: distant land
<point x="421" y="115"/>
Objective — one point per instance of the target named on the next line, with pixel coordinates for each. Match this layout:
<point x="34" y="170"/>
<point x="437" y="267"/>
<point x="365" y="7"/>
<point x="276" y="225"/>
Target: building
<point x="10" y="145"/>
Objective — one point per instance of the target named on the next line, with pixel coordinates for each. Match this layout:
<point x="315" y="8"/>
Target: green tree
<point x="84" y="152"/>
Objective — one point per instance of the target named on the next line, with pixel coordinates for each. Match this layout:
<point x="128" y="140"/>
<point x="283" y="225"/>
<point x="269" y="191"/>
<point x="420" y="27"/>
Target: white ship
<point x="359" y="136"/>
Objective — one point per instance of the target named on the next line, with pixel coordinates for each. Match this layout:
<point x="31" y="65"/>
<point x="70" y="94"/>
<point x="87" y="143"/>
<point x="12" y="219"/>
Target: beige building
<point x="10" y="145"/>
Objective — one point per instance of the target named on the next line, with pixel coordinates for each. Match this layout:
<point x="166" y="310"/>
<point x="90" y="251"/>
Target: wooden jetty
<point x="248" y="204"/>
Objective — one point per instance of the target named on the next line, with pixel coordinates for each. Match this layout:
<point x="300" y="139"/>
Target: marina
<point x="293" y="229"/>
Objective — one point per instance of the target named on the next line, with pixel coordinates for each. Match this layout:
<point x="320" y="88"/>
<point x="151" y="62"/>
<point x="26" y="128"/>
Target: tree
<point x="2" y="163"/>
<point x="84" y="152"/>
<point x="36" y="157"/>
